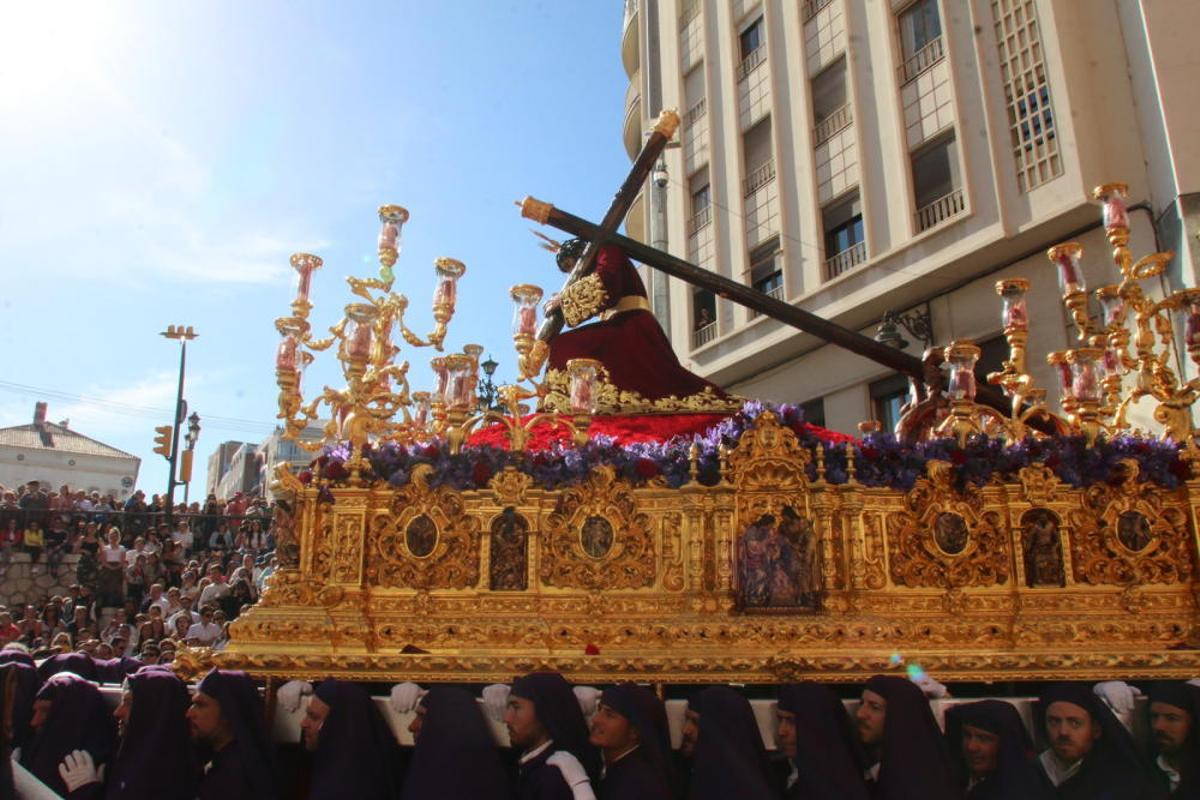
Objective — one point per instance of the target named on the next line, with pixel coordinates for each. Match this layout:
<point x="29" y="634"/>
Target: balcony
<point x="922" y="60"/>
<point x="759" y="178"/>
<point x="775" y="292"/>
<point x="704" y="335"/>
<point x="835" y="122"/>
<point x="696" y="113"/>
<point x="699" y="220"/>
<point x="846" y="260"/>
<point x="810" y="8"/>
<point x="635" y="220"/>
<point x="751" y="62"/>
<point x="688" y="12"/>
<point x="940" y="210"/>
<point x="629" y="38"/>
<point x="632" y="131"/>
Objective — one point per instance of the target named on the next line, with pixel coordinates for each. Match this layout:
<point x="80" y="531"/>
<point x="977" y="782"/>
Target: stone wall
<point x="24" y="582"/>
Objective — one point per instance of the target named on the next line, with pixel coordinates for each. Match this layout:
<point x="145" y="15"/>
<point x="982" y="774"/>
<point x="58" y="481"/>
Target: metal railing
<point x="775" y="292"/>
<point x="922" y="60"/>
<point x="846" y="260"/>
<point x="699" y="220"/>
<point x="689" y="11"/>
<point x="940" y="210"/>
<point x="833" y="123"/>
<point x="809" y="8"/>
<point x="759" y="178"/>
<point x="695" y="113"/>
<point x="704" y="335"/>
<point x="755" y="57"/>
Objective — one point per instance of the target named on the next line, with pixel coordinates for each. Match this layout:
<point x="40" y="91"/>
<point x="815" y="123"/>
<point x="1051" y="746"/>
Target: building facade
<point x="54" y="455"/>
<point x="856" y="157"/>
<point x="218" y="463"/>
<point x="276" y="450"/>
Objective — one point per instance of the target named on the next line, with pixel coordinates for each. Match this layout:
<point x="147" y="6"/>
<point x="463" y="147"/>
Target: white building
<point x="218" y="463"/>
<point x="858" y="156"/>
<point x="276" y="450"/>
<point x="55" y="455"/>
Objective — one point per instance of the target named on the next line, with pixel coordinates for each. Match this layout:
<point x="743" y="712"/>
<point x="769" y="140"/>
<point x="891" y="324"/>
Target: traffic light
<point x="162" y="440"/>
<point x="185" y="467"/>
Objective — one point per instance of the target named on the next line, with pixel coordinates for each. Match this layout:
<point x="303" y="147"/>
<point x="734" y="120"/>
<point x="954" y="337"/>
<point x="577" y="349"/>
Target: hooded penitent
<point x="558" y="710"/>
<point x="730" y="761"/>
<point x="155" y="757"/>
<point x="456" y="757"/>
<point x="1017" y="775"/>
<point x="647" y="772"/>
<point x="828" y="758"/>
<point x="78" y="719"/>
<point x="1185" y="697"/>
<point x="356" y="751"/>
<point x="80" y="664"/>
<point x="248" y="760"/>
<point x="914" y="760"/>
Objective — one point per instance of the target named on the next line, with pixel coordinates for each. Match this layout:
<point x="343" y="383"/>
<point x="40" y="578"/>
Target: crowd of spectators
<point x="145" y="580"/>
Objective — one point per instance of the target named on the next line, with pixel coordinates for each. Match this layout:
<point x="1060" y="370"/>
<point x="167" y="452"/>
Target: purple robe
<point x="914" y="760"/>
<point x="25" y="684"/>
<point x="80" y="664"/>
<point x="156" y="757"/>
<point x="646" y="773"/>
<point x="356" y="752"/>
<point x="730" y="761"/>
<point x="244" y="768"/>
<point x="78" y="719"/>
<point x="1017" y="775"/>
<point x="828" y="757"/>
<point x="559" y="712"/>
<point x="1187" y="697"/>
<point x="456" y="757"/>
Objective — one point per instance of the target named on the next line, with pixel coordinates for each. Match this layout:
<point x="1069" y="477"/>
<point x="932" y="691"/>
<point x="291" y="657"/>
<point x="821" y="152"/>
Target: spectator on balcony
<point x="111" y="587"/>
<point x="703" y="319"/>
<point x="35" y="541"/>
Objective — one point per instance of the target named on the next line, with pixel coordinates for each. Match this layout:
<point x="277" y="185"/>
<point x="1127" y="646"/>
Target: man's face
<point x="611" y="731"/>
<point x="1170" y="726"/>
<point x="870" y="718"/>
<point x="41" y="711"/>
<point x="205" y="721"/>
<point x="981" y="750"/>
<point x="418" y="722"/>
<point x="121" y="712"/>
<point x="314" y="718"/>
<point x="690" y="733"/>
<point x="785" y="735"/>
<point x="1070" y="730"/>
<point x="524" y="729"/>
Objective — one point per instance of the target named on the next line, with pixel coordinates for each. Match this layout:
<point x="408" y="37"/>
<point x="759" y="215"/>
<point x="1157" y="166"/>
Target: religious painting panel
<point x="509" y="565"/>
<point x="778" y="557"/>
<point x="1042" y="546"/>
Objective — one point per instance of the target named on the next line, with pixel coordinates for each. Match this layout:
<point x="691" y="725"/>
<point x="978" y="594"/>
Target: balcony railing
<point x="755" y="57"/>
<point x="940" y="210"/>
<point x="700" y="219"/>
<point x="689" y="11"/>
<point x="759" y="178"/>
<point x="704" y="335"/>
<point x="922" y="60"/>
<point x="835" y="122"/>
<point x="695" y="113"/>
<point x="776" y="292"/>
<point x="846" y="260"/>
<point x="810" y="8"/>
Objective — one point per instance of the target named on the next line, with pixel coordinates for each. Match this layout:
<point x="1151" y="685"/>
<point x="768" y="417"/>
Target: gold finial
<point x="534" y="209"/>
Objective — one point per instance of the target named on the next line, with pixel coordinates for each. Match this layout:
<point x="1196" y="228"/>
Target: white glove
<point x="78" y="769"/>
<point x="1194" y="682"/>
<point x="573" y="773"/>
<point x="406" y="696"/>
<point x="1121" y="697"/>
<point x="495" y="700"/>
<point x="932" y="689"/>
<point x="589" y="699"/>
<point x="291" y="693"/>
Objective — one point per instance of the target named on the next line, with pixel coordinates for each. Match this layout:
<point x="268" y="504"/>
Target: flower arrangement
<point x="880" y="460"/>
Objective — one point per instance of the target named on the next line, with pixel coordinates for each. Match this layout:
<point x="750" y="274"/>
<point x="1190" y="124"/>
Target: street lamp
<point x="917" y="322"/>
<point x="182" y="335"/>
<point x="487" y="392"/>
<point x="185" y="470"/>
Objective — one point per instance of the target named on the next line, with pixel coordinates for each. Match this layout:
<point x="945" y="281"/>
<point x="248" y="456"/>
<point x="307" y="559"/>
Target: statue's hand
<point x="553" y="304"/>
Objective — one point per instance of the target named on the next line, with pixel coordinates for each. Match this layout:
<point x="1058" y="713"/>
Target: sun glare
<point x="46" y="49"/>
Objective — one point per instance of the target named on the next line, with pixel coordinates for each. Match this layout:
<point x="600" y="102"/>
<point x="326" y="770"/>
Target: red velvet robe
<point x="630" y="345"/>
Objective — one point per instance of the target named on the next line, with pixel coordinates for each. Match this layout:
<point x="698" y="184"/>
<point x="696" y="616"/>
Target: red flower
<point x="591" y="650"/>
<point x="335" y="471"/>
<point x="305" y="476"/>
<point x="481" y="473"/>
<point x="958" y="457"/>
<point x="430" y="451"/>
<point x="870" y="452"/>
<point x="645" y="468"/>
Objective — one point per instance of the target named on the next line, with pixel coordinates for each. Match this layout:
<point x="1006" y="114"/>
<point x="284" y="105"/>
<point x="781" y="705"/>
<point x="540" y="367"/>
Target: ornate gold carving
<point x="628" y="564"/>
<point x="1039" y="484"/>
<point x="611" y="400"/>
<point x="510" y="486"/>
<point x="583" y="299"/>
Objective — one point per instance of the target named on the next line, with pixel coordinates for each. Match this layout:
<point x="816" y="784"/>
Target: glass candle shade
<point x="1187" y="314"/>
<point x="525" y="308"/>
<point x="1114" y="197"/>
<point x="441" y="378"/>
<point x="285" y="356"/>
<point x="305" y="265"/>
<point x="584" y="376"/>
<point x="1066" y="259"/>
<point x="1085" y="373"/>
<point x="473" y="352"/>
<point x="961" y="358"/>
<point x="391" y="225"/>
<point x="421" y="403"/>
<point x="1112" y="306"/>
<point x="458" y="385"/>
<point x="1015" y="314"/>
<point x="448" y="272"/>
<point x="1058" y="360"/>
<point x="359" y="333"/>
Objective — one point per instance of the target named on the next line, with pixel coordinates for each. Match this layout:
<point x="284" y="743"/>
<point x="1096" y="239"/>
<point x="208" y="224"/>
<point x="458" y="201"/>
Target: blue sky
<point x="160" y="161"/>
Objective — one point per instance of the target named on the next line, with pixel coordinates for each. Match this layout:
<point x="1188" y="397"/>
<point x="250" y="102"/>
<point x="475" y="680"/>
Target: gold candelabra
<point x="376" y="402"/>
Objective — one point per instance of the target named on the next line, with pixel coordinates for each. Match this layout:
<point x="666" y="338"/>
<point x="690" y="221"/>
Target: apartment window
<point x="888" y="396"/>
<point x="693" y="86"/>
<point x="920" y="38"/>
<point x="845" y="247"/>
<point x="814" y="411"/>
<point x="936" y="182"/>
<point x="831" y="113"/>
<point x="704" y="317"/>
<point x="1026" y="92"/>
<point x="701" y="202"/>
<point x="750" y="43"/>
<point x="765" y="273"/>
<point x="756" y="149"/>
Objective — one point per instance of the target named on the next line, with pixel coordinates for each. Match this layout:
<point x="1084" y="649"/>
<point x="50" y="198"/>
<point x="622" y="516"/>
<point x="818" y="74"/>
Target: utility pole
<point x="183" y="336"/>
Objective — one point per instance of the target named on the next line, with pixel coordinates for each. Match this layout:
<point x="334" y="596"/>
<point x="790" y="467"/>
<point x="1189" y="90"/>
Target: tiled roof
<point x="60" y="440"/>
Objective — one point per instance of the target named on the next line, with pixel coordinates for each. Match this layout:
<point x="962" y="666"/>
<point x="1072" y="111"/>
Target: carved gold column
<point x="349" y="528"/>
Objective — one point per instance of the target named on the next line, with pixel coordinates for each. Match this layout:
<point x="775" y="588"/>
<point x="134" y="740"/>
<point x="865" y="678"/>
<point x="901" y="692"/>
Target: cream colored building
<point x="859" y="156"/>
